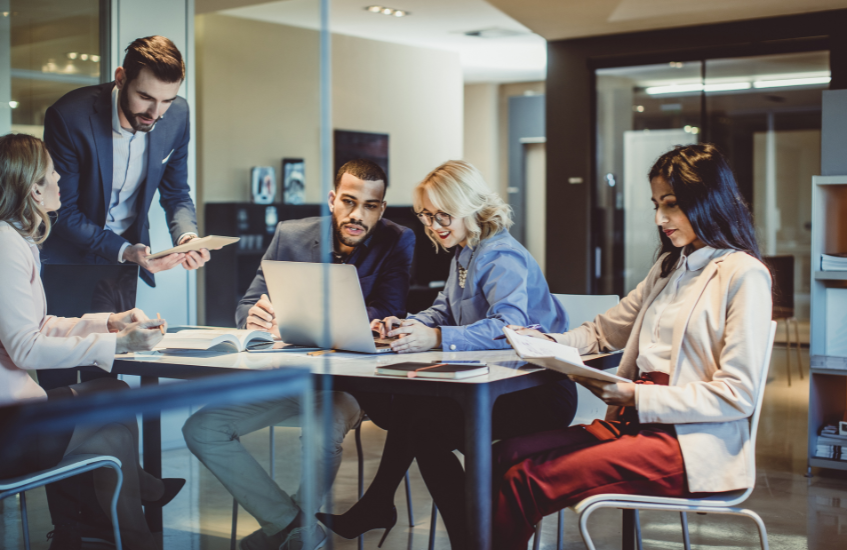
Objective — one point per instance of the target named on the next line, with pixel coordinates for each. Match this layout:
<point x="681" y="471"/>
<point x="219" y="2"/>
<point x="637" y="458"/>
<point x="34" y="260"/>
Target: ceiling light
<point x="677" y="64"/>
<point x="639" y="108"/>
<point x="727" y="86"/>
<point x="13" y="104"/>
<point x="95" y="58"/>
<point x="387" y="11"/>
<point x="792" y="82"/>
<point x="674" y="89"/>
<point x="72" y="55"/>
<point x="84" y="57"/>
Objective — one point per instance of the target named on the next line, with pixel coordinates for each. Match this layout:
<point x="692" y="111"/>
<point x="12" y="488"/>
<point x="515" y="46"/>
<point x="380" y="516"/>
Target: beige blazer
<point x="29" y="338"/>
<point x="719" y="344"/>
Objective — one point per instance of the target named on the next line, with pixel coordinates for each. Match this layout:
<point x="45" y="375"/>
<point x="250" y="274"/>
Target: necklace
<point x="463" y="273"/>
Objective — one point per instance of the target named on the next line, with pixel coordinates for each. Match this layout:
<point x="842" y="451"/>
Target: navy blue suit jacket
<point x="78" y="134"/>
<point x="383" y="264"/>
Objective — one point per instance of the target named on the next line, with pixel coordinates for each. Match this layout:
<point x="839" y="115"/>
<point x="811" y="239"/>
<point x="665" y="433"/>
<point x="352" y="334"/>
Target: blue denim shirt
<point x="504" y="286"/>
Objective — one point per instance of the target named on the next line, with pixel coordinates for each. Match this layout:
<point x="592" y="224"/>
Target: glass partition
<point x="763" y="112"/>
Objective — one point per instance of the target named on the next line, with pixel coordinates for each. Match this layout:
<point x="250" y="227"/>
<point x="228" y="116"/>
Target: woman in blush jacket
<point x="694" y="335"/>
<point x="30" y="339"/>
<point x="493" y="281"/>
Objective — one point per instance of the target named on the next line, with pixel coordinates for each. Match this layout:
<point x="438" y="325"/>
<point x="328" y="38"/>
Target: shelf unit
<point x="827" y="386"/>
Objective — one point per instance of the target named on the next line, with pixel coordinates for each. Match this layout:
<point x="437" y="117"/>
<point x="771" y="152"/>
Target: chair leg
<point x="536" y="540"/>
<point x="409" y="500"/>
<point x="114" y="507"/>
<point x="433" y="520"/>
<point x="234" y="524"/>
<point x="560" y="531"/>
<point x="637" y="521"/>
<point x="24" y="520"/>
<point x="272" y="446"/>
<point x="361" y="465"/>
<point x="686" y="540"/>
<point x="797" y="344"/>
<point x="763" y="532"/>
<point x="787" y="353"/>
<point x="583" y="529"/>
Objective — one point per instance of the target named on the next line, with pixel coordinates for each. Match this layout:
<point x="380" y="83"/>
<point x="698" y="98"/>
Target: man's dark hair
<point x="158" y="54"/>
<point x="364" y="170"/>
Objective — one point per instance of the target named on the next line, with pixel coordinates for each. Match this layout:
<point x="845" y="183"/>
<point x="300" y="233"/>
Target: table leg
<point x="628" y="531"/>
<point x="477" y="408"/>
<point x="151" y="430"/>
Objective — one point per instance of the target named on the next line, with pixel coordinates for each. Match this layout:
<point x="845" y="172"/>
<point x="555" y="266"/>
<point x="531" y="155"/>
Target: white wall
<point x="481" y="130"/>
<point x="258" y="102"/>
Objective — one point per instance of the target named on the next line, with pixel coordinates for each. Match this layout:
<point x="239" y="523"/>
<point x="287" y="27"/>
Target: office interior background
<point x="562" y="105"/>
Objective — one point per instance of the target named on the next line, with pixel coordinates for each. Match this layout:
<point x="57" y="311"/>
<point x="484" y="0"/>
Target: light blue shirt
<point x="504" y="286"/>
<point x="129" y="168"/>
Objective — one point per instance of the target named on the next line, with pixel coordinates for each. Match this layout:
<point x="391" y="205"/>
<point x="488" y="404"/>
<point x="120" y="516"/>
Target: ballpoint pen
<point x="531" y="327"/>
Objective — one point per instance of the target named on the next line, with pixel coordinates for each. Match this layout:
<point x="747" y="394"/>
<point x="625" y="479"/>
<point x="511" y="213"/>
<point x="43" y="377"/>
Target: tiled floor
<point x="800" y="513"/>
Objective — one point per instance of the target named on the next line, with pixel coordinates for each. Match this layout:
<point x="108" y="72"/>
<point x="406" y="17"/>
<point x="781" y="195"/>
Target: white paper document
<point x="209" y="241"/>
<point x="555" y="356"/>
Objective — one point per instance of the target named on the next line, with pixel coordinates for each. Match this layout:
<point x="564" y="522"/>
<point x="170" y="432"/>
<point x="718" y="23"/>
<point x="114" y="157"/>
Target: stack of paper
<point x="833" y="262"/>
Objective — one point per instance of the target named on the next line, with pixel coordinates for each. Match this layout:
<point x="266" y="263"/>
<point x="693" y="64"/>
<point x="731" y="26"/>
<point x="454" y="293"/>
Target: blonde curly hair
<point x="23" y="162"/>
<point x="457" y="188"/>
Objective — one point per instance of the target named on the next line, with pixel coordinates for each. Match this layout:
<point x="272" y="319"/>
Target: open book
<point x="554" y="356"/>
<point x="205" y="339"/>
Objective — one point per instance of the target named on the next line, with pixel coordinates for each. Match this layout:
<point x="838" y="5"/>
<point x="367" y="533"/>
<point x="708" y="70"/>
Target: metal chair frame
<point x="68" y="467"/>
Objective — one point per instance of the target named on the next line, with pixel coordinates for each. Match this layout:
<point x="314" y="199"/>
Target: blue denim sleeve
<point x="501" y="299"/>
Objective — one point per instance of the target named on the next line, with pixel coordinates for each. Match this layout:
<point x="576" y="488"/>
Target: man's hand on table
<point x="412" y="336"/>
<point x="261" y="317"/>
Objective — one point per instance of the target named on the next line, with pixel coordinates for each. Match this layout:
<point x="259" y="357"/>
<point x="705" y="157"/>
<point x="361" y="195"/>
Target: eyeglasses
<point x="443" y="219"/>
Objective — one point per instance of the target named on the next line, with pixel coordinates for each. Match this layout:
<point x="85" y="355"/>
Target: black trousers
<point x="429" y="429"/>
<point x="72" y="502"/>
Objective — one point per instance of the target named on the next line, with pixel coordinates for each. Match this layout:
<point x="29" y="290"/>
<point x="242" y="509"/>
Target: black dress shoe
<point x="64" y="539"/>
<point x="173" y="485"/>
<point x="359" y="520"/>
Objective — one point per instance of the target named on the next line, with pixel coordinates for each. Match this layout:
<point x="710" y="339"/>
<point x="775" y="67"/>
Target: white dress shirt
<point x="129" y="169"/>
<point x="655" y="339"/>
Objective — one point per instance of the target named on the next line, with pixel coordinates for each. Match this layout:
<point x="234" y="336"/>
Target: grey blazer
<point x="719" y="344"/>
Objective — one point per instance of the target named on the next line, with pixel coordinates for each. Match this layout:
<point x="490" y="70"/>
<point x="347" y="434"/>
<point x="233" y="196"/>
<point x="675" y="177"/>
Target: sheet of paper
<point x="209" y="241"/>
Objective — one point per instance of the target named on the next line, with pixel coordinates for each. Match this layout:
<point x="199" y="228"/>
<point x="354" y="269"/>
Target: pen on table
<point x="161" y="327"/>
<point x="531" y="327"/>
<point x="320" y="352"/>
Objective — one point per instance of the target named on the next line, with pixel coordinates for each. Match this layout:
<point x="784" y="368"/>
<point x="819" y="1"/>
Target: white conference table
<point x="343" y="371"/>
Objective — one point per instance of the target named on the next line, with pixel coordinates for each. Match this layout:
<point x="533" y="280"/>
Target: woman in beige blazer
<point x="694" y="335"/>
<point x="30" y="339"/>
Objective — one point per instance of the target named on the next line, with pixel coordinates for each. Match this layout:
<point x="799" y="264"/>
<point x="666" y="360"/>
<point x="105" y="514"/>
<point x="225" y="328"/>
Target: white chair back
<point x="582" y="308"/>
<point x="760" y="396"/>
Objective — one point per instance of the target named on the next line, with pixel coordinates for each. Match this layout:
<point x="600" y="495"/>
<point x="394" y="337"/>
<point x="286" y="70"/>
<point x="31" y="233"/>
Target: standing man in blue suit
<point x="115" y="145"/>
<point x="382" y="253"/>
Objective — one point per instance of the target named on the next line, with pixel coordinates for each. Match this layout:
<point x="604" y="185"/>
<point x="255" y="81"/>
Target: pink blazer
<point x="29" y="338"/>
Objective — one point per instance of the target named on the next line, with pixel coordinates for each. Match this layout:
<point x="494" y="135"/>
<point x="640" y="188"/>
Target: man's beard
<point x="131" y="117"/>
<point x="347" y="241"/>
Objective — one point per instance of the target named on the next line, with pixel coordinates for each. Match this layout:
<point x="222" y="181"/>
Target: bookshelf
<point x="828" y="358"/>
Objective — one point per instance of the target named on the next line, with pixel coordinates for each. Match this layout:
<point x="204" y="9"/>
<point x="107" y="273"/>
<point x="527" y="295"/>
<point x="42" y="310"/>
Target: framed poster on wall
<point x="351" y="145"/>
<point x="293" y="181"/>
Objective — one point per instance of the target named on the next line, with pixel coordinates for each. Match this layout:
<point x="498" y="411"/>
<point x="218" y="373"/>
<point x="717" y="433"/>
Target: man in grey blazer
<point x="114" y="146"/>
<point x="382" y="253"/>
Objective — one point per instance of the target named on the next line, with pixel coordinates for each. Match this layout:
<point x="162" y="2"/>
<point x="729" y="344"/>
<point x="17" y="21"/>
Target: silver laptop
<point x="299" y="295"/>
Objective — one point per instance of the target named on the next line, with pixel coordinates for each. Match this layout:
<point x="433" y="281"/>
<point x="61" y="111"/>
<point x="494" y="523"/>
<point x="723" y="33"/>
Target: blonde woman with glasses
<point x="493" y="282"/>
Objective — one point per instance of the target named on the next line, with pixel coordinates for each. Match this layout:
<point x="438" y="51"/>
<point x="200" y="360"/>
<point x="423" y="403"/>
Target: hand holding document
<point x="211" y="242"/>
<point x="557" y="357"/>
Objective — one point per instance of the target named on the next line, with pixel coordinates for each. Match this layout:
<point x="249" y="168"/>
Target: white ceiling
<point x="437" y="24"/>
<point x="560" y="19"/>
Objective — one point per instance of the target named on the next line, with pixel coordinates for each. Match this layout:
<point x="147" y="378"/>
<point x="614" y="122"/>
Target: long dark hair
<point x="706" y="190"/>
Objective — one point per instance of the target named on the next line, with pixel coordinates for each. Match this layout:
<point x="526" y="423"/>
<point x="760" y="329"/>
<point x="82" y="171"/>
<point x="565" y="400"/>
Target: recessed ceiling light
<point x="387" y="11"/>
<point x="95" y="58"/>
<point x="13" y="104"/>
<point x="72" y="55"/>
<point x="84" y="57"/>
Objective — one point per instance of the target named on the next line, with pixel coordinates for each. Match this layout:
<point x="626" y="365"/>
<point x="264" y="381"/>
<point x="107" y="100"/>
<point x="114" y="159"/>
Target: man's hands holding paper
<point x="137" y="253"/>
<point x="194" y="259"/>
<point x="261" y="317"/>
